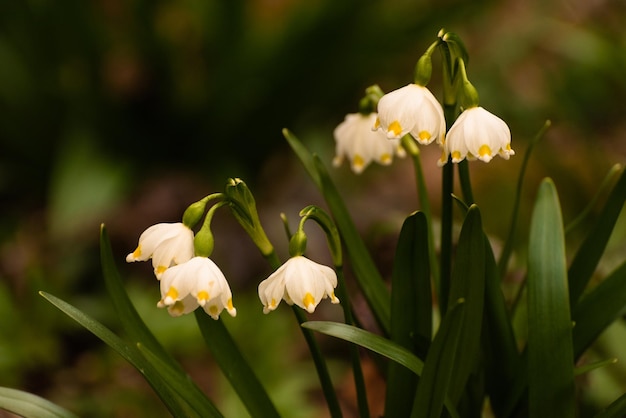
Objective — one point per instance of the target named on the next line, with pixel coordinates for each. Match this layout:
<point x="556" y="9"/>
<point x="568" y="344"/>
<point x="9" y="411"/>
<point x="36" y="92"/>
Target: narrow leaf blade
<point x="439" y="365"/>
<point x="235" y="367"/>
<point x="598" y="309"/>
<point x="550" y="352"/>
<point x="411" y="310"/>
<point x="29" y="405"/>
<point x="175" y="404"/>
<point x="468" y="283"/>
<point x="368" y="340"/>
<point x="588" y="255"/>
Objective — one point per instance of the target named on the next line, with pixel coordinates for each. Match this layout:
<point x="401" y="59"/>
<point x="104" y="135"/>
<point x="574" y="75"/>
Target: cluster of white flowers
<point x="188" y="281"/>
<point x="414" y="110"/>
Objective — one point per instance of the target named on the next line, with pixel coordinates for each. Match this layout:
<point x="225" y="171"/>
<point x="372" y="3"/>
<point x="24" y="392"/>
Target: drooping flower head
<point x="414" y="110"/>
<point x="198" y="282"/>
<point x="300" y="281"/>
<point x="477" y="134"/>
<point x="167" y="244"/>
<point x="356" y="140"/>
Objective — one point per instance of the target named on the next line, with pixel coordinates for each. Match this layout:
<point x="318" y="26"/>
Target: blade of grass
<point x="550" y="352"/>
<point x="235" y="367"/>
<point x="29" y="405"/>
<point x="588" y="255"/>
<point x="411" y="311"/>
<point x="367" y="275"/>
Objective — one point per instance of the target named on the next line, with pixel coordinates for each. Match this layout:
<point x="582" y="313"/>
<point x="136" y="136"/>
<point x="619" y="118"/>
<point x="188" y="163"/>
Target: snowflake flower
<point x="198" y="282"/>
<point x="356" y="140"/>
<point x="300" y="281"/>
<point x="411" y="109"/>
<point x="477" y="134"/>
<point x="166" y="243"/>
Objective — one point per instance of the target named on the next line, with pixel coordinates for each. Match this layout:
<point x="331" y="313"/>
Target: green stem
<point x="466" y="185"/>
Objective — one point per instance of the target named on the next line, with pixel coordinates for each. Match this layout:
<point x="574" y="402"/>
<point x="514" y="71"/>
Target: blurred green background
<point x="125" y="112"/>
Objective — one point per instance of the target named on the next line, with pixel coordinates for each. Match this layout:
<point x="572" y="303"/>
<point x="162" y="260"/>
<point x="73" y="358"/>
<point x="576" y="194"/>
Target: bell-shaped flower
<point x="300" y="281"/>
<point x="411" y="109"/>
<point x="167" y="244"/>
<point x="198" y="282"/>
<point x="356" y="140"/>
<point x="477" y="134"/>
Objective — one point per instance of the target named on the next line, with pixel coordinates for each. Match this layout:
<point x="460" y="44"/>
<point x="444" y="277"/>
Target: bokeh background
<point x="125" y="112"/>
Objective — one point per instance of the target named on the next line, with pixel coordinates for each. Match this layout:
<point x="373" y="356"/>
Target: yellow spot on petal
<point x="213" y="310"/>
<point x="395" y="128"/>
<point x="229" y="305"/>
<point x="203" y="296"/>
<point x="160" y="270"/>
<point x="308" y="300"/>
<point x="273" y="304"/>
<point x="484" y="150"/>
<point x="376" y="124"/>
<point x="385" y="159"/>
<point x="137" y="252"/>
<point x="172" y="293"/>
<point x="357" y="162"/>
<point x="456" y="155"/>
<point x="424" y="136"/>
<point x="177" y="309"/>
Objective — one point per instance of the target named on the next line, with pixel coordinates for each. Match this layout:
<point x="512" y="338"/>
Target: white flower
<point x="198" y="282"/>
<point x="166" y="243"/>
<point x="356" y="140"/>
<point x="411" y="109"/>
<point x="477" y="133"/>
<point x="300" y="281"/>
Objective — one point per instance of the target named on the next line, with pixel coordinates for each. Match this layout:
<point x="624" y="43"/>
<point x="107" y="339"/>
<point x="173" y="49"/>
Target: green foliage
<point x="111" y="88"/>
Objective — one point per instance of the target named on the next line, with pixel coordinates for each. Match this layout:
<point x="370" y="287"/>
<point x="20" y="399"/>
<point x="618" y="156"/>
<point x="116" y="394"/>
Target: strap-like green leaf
<point x="369" y="340"/>
<point x="439" y="370"/>
<point x="30" y="406"/>
<point x="377" y="344"/>
<point x="365" y="271"/>
<point x="499" y="340"/>
<point x="129" y="317"/>
<point x="550" y="352"/>
<point x="598" y="309"/>
<point x="468" y="283"/>
<point x="235" y="367"/>
<point x="588" y="255"/>
<point x="411" y="311"/>
<point x="189" y="406"/>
